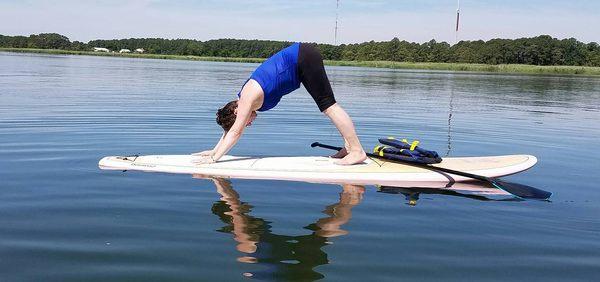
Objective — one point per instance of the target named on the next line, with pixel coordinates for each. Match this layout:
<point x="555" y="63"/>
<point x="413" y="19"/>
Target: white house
<point x="140" y="50"/>
<point x="125" y="51"/>
<point x="99" y="49"/>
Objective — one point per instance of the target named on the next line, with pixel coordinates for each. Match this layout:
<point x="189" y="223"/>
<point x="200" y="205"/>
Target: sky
<point x="302" y="20"/>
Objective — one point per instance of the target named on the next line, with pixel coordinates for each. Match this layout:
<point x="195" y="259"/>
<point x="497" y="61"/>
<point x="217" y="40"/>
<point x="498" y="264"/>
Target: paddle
<point x="519" y="190"/>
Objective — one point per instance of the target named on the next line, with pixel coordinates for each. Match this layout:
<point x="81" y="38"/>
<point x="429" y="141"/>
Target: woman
<point x="277" y="76"/>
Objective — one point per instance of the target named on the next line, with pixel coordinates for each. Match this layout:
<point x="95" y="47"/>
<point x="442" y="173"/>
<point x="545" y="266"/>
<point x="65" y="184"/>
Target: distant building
<point x="125" y="51"/>
<point x="140" y="50"/>
<point x="99" y="49"/>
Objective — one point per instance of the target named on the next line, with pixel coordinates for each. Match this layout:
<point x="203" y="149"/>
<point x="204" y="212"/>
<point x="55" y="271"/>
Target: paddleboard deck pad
<point x="323" y="169"/>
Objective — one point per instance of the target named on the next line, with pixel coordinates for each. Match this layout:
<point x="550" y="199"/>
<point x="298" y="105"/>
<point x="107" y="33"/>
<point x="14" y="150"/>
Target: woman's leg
<point x="341" y="120"/>
<point x="315" y="80"/>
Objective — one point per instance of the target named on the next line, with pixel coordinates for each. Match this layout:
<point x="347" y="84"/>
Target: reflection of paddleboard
<point x="323" y="169"/>
<point x="475" y="190"/>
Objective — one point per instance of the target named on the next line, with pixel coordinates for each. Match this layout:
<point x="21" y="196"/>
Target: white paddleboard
<point x="323" y="169"/>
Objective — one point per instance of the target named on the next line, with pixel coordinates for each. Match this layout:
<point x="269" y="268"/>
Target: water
<point x="63" y="219"/>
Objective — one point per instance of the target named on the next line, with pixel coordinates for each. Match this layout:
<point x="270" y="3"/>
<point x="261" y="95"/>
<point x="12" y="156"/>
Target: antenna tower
<point x="337" y="6"/>
<point x="457" y="21"/>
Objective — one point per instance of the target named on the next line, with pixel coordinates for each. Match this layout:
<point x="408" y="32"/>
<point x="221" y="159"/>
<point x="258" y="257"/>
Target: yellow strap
<point x="376" y="149"/>
<point x="381" y="153"/>
<point x="414" y="144"/>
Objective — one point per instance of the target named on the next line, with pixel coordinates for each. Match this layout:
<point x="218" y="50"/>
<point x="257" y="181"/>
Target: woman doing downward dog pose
<point x="277" y="76"/>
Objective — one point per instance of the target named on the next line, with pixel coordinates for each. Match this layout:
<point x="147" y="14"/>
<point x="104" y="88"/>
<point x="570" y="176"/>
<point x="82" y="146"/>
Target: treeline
<point x="541" y="50"/>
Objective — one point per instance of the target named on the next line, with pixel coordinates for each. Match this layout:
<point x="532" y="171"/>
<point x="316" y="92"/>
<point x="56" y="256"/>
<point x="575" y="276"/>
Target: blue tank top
<point x="278" y="76"/>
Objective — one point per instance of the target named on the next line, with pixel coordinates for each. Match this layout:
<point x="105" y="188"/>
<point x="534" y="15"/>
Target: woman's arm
<point x="244" y="111"/>
<point x="250" y="100"/>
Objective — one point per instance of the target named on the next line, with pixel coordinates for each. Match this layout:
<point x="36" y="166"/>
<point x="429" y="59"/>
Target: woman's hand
<point x="204" y="153"/>
<point x="203" y="160"/>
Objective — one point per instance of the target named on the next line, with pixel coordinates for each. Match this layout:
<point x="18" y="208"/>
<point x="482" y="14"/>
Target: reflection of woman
<point x="340" y="213"/>
<point x="286" y="257"/>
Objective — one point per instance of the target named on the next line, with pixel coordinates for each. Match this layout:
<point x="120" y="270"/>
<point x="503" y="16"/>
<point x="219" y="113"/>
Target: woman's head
<point x="226" y="116"/>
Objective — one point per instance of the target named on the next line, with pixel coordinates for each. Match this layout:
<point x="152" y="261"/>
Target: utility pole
<point x="457" y="21"/>
<point x="337" y="6"/>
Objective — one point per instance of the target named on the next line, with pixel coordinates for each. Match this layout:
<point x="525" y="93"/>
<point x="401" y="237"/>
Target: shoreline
<point x="502" y="68"/>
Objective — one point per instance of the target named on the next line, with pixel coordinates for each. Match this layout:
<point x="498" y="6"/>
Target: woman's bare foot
<point x="340" y="154"/>
<point x="354" y="157"/>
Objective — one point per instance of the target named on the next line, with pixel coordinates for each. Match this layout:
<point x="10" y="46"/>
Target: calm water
<point x="63" y="219"/>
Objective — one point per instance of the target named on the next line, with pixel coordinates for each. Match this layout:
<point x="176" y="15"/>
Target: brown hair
<point x="226" y="115"/>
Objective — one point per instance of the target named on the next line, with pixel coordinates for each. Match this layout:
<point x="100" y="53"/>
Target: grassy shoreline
<point x="504" y="68"/>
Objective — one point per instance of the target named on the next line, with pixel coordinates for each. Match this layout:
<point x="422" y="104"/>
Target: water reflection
<point x="285" y="257"/>
<point x="282" y="257"/>
<point x="480" y="191"/>
<point x="450" y="112"/>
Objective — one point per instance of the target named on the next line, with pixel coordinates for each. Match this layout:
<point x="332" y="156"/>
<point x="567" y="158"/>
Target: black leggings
<point x="313" y="77"/>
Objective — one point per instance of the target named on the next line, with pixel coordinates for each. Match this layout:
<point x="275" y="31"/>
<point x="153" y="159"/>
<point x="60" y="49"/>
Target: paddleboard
<point x="323" y="169"/>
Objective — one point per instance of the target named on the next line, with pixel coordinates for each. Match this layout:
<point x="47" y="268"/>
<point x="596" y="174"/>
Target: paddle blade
<point x="522" y="191"/>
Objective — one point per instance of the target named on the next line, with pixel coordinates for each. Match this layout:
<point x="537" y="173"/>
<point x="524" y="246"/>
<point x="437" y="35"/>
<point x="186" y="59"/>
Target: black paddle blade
<point x="522" y="191"/>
